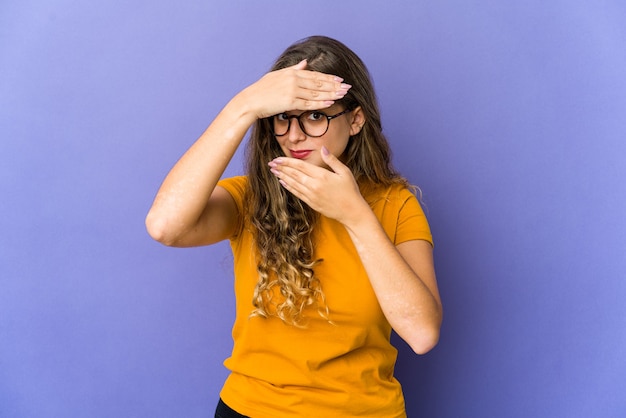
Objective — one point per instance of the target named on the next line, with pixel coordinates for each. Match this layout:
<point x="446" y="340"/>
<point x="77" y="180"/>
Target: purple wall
<point x="511" y="116"/>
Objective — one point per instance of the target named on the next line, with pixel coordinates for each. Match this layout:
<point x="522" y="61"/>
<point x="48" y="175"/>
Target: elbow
<point x="158" y="230"/>
<point x="425" y="336"/>
<point x="426" y="341"/>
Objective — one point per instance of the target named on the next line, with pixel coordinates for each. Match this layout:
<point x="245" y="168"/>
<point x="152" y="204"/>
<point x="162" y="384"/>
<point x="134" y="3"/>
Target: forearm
<point x="411" y="307"/>
<point x="185" y="192"/>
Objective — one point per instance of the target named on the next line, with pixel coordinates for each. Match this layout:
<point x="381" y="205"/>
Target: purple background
<point x="511" y="116"/>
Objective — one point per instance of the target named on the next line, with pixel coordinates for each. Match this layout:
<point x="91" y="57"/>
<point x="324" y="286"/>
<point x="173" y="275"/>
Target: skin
<point x="190" y="210"/>
<point x="334" y="139"/>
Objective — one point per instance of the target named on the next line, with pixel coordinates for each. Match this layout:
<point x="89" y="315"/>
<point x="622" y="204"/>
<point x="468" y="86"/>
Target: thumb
<point x="301" y="65"/>
<point x="332" y="161"/>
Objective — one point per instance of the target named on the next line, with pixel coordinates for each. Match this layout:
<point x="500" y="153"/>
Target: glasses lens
<point x="313" y="123"/>
<point x="281" y="124"/>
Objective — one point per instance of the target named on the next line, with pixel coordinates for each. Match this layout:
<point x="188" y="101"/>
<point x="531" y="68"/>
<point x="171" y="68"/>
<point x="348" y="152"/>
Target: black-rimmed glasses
<point x="313" y="123"/>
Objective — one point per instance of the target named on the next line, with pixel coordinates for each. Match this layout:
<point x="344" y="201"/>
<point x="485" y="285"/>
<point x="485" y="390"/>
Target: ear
<point x="357" y="122"/>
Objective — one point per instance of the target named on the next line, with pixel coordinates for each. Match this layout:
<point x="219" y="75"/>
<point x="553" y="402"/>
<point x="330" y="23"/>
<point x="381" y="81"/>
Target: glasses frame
<point x="297" y="117"/>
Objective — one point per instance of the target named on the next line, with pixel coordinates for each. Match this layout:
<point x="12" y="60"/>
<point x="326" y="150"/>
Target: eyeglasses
<point x="313" y="123"/>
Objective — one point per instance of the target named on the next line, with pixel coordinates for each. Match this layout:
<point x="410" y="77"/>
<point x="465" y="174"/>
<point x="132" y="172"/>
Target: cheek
<point x="338" y="147"/>
<point x="281" y="143"/>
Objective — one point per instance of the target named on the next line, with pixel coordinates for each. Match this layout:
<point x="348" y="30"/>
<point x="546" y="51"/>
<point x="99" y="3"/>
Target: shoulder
<point x="399" y="212"/>
<point x="395" y="195"/>
<point x="236" y="186"/>
<point x="235" y="181"/>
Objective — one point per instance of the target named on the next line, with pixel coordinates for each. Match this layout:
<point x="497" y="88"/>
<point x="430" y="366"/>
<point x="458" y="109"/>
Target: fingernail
<point x="338" y="79"/>
<point x="343" y="89"/>
<point x="325" y="151"/>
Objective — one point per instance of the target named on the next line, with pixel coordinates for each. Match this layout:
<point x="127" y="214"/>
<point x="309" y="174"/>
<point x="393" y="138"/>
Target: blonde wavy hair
<point x="283" y="225"/>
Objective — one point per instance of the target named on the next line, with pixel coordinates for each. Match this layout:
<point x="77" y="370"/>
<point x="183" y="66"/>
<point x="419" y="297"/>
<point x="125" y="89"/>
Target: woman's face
<point x="297" y="144"/>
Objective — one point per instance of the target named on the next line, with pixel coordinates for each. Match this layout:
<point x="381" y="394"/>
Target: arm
<point x="402" y="277"/>
<point x="189" y="209"/>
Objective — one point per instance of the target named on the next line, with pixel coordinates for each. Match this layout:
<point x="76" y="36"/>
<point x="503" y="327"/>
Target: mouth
<point x="300" y="154"/>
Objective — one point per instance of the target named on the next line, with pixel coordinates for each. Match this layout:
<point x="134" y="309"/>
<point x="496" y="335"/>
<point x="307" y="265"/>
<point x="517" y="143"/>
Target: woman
<point x="331" y="249"/>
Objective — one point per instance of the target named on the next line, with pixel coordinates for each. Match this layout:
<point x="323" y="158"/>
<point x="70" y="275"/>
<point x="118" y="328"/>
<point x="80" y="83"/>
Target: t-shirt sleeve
<point x="236" y="186"/>
<point x="412" y="223"/>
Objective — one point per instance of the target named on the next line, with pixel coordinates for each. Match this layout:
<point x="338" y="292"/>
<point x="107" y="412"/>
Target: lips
<point x="300" y="154"/>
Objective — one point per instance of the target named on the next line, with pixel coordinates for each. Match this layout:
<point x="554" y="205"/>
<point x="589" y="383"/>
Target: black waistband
<point x="225" y="411"/>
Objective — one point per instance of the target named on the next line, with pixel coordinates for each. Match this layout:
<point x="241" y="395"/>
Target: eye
<point x="283" y="117"/>
<point x="316" y="116"/>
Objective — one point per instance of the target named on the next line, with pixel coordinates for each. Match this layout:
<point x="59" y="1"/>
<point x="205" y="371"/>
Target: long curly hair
<point x="283" y="225"/>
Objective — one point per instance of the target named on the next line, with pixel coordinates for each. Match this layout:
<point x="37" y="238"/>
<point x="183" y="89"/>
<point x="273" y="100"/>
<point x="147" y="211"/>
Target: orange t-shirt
<point x="339" y="369"/>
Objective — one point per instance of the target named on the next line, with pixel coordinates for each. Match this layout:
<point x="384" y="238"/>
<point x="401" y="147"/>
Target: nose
<point x="295" y="133"/>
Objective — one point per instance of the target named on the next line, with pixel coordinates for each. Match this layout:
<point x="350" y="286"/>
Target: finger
<point x="300" y="180"/>
<point x="332" y="161"/>
<point x="313" y="99"/>
<point x="308" y="95"/>
<point x="309" y="98"/>
<point x="318" y="76"/>
<point x="292" y="165"/>
<point x="300" y="70"/>
<point x="294" y="190"/>
<point x="301" y="65"/>
<point x="294" y="178"/>
<point x="293" y="181"/>
<point x="323" y="83"/>
<point x="303" y="105"/>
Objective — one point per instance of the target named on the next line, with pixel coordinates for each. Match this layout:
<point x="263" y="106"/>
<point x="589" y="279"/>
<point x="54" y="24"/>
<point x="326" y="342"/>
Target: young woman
<point x="331" y="248"/>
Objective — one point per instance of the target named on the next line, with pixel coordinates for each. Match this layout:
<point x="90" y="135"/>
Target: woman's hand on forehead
<point x="294" y="88"/>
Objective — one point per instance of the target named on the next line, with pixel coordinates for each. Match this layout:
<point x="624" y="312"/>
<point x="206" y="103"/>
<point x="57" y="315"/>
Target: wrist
<point x="359" y="217"/>
<point x="241" y="106"/>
